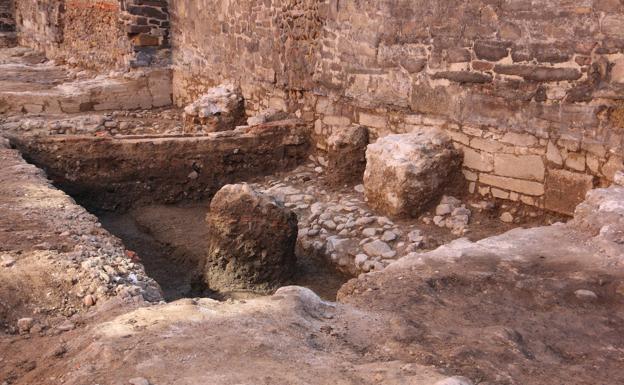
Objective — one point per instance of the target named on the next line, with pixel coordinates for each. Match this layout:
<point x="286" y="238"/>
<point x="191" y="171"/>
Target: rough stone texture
<point x="404" y="173"/>
<point x="544" y="71"/>
<point x="58" y="252"/>
<point x="97" y="34"/>
<point x="115" y="173"/>
<point x="251" y="242"/>
<point x="220" y="109"/>
<point x="564" y="189"/>
<point x="346" y="156"/>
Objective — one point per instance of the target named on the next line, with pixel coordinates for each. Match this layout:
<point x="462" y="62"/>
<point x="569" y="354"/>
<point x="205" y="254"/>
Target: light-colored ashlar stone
<point x="575" y="161"/>
<point x="481" y="161"/>
<point x="517" y="185"/>
<point x="404" y="173"/>
<point x="251" y="241"/>
<point x="553" y="154"/>
<point x="519" y="166"/>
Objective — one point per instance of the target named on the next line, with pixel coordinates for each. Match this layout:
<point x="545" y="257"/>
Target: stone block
<point x="517" y="185"/>
<point x="519" y="166"/>
<point x="346" y="155"/>
<point x="481" y="161"/>
<point x="404" y="173"/>
<point x="565" y="190"/>
<point x="251" y="241"/>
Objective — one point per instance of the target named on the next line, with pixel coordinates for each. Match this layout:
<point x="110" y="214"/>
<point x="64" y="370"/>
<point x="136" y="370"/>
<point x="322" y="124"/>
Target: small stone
<point x="618" y="178"/>
<point x="330" y="225"/>
<point x="443" y="209"/>
<point x="369" y="232"/>
<point x="138" y="381"/>
<point x="364" y="221"/>
<point x="66" y="326"/>
<point x="454" y="381"/>
<point x="438" y="221"/>
<point x="88" y="300"/>
<point x="25" y="324"/>
<point x="388" y="236"/>
<point x="377" y="248"/>
<point x="193" y="175"/>
<point x="360" y="259"/>
<point x="7" y="261"/>
<point x="415" y="236"/>
<point x="585" y="295"/>
<point x="507" y="217"/>
<point x="359" y="188"/>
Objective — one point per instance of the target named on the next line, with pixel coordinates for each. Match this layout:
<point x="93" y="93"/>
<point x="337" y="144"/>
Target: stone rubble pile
<point x="222" y="108"/>
<point x="452" y="214"/>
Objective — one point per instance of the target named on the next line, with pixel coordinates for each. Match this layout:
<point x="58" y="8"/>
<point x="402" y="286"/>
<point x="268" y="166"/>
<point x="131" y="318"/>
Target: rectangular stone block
<point x="565" y="190"/>
<point x="519" y="166"/>
<point x="517" y="185"/>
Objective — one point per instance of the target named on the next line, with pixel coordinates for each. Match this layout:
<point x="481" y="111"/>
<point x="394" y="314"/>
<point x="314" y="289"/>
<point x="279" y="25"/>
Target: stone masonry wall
<point x="96" y="34"/>
<point x="531" y="90"/>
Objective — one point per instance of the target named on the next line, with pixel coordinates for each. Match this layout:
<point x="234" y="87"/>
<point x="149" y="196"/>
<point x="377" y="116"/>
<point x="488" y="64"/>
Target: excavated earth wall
<point x="116" y="173"/>
<point x="530" y="90"/>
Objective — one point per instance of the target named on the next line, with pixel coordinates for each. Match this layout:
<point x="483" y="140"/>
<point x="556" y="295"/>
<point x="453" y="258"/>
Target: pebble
<point x="369" y="232"/>
<point x="359" y="188"/>
<point x="457" y="380"/>
<point x="586" y="295"/>
<point x="88" y="300"/>
<point x="507" y="217"/>
<point x="7" y="261"/>
<point x="25" y="324"/>
<point x="66" y="326"/>
<point x="388" y="236"/>
<point x="443" y="209"/>
<point x="138" y="381"/>
<point x="360" y="259"/>
<point x="377" y="248"/>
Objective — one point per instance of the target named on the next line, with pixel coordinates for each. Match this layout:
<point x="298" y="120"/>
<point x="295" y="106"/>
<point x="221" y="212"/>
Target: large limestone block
<point x="251" y="242"/>
<point x="404" y="173"/>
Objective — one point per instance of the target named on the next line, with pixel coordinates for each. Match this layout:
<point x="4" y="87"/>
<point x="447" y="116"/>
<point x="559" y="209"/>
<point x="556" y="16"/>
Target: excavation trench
<point x="154" y="193"/>
<point x="171" y="241"/>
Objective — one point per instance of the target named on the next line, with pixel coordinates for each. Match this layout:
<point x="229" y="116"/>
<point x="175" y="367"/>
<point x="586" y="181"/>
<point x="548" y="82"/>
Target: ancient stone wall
<point x="531" y="90"/>
<point x="96" y="34"/>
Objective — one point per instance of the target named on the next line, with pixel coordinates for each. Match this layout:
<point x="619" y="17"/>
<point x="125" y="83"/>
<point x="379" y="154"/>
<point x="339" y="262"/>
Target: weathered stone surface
<point x="346" y="155"/>
<point x="537" y="73"/>
<point x="251" y="243"/>
<point x="220" y="109"/>
<point x="517" y="185"/>
<point x="565" y="190"/>
<point x="519" y="166"/>
<point x="404" y="173"/>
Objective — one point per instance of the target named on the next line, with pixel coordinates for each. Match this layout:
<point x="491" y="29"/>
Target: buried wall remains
<point x="532" y="92"/>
